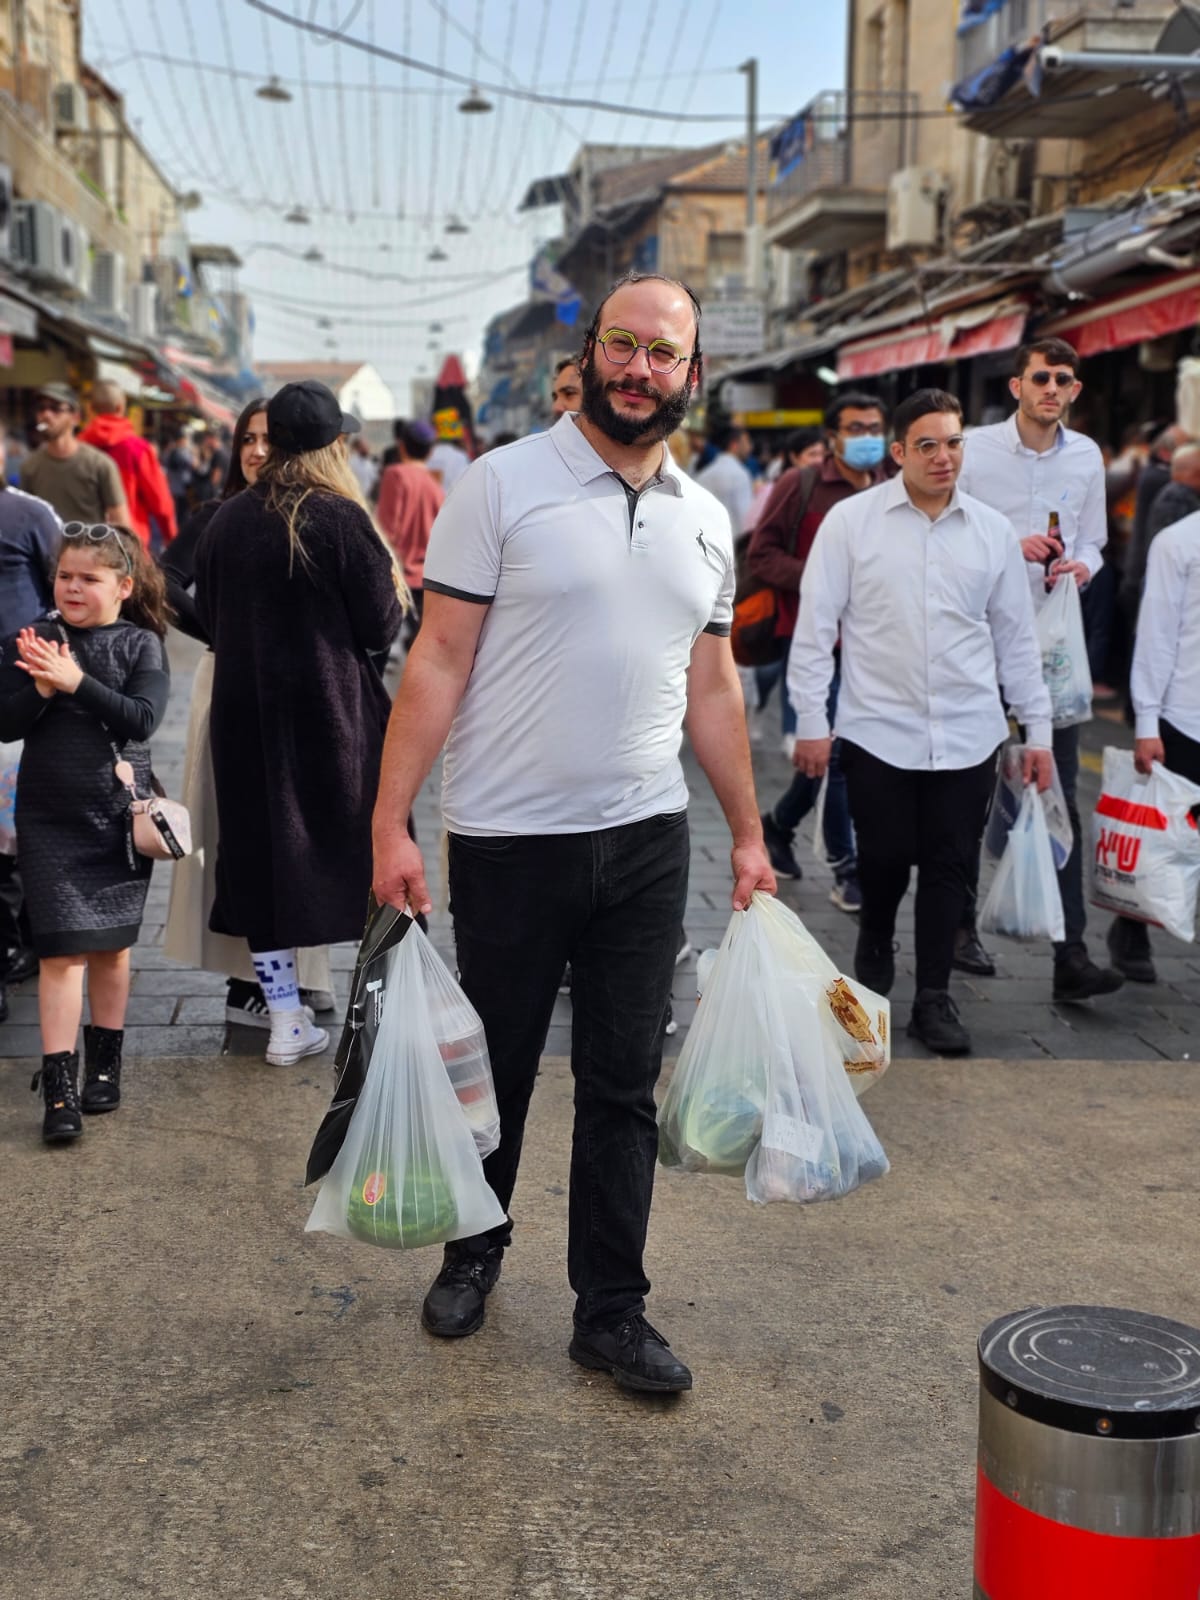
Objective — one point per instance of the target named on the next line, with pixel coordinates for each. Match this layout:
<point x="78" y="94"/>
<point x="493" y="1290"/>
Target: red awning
<point x="975" y="332"/>
<point x="1165" y="306"/>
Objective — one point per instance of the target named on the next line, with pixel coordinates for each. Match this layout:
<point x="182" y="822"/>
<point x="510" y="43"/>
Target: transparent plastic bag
<point x="1024" y="900"/>
<point x="1146" y="847"/>
<point x="1064" y="655"/>
<point x="760" y="1087"/>
<point x="1006" y="803"/>
<point x="462" y="1044"/>
<point x="408" y="1173"/>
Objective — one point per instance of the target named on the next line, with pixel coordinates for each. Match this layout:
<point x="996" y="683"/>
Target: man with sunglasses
<point x="1026" y="468"/>
<point x="79" y="481"/>
<point x="578" y="601"/>
<point x="927" y="589"/>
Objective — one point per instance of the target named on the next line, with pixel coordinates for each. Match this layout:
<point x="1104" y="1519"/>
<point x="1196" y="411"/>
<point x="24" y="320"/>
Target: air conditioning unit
<point x="108" y="283"/>
<point x="6" y="212"/>
<point x="39" y="237"/>
<point x="70" y="108"/>
<point x="914" y="208"/>
<point x="73" y="254"/>
<point x="143" y="309"/>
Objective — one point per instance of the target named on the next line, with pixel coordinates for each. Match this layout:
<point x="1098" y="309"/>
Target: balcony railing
<point x="1018" y="20"/>
<point x="845" y="140"/>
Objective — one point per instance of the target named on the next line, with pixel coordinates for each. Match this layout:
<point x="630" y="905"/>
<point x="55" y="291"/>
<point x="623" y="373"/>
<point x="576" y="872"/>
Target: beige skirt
<point x="188" y="938"/>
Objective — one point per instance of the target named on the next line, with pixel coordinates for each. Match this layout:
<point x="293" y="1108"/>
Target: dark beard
<point x="667" y="415"/>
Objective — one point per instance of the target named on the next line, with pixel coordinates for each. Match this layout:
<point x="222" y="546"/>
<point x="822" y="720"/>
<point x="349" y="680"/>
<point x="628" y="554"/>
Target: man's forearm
<point x="426" y="701"/>
<point x="716" y="725"/>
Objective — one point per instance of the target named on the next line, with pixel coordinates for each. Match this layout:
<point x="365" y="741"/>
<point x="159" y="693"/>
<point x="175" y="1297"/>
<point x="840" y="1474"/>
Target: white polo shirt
<point x="572" y="716"/>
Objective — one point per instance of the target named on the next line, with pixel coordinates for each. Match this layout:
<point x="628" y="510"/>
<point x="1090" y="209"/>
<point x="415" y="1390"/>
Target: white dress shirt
<point x="1026" y="487"/>
<point x="1165" y="681"/>
<point x="930" y="613"/>
<point x="733" y="485"/>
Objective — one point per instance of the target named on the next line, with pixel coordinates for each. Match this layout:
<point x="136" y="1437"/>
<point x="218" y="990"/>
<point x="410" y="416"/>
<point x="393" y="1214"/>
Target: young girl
<point x="85" y="687"/>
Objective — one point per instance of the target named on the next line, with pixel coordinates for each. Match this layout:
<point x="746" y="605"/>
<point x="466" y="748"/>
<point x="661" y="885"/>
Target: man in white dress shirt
<point x="728" y="477"/>
<point x="1165" y="685"/>
<point x="928" y="589"/>
<point x="1028" y="467"/>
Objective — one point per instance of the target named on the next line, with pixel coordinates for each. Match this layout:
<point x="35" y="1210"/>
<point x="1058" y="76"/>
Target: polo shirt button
<point x="641" y="524"/>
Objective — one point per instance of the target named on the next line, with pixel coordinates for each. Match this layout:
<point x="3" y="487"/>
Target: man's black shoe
<point x="1129" y="946"/>
<point x="21" y="963"/>
<point x="454" y="1305"/>
<point x="970" y="956"/>
<point x="1078" y="978"/>
<point x="875" y="961"/>
<point x="936" y="1023"/>
<point x="3" y="1003"/>
<point x="779" y="848"/>
<point x="636" y="1354"/>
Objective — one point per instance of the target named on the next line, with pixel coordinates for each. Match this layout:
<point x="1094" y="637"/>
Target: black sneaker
<point x="1129" y="946"/>
<point x="779" y="848"/>
<point x="1078" y="978"/>
<point x="58" y="1078"/>
<point x="636" y="1354"/>
<point x="875" y="961"/>
<point x="970" y="956"/>
<point x="21" y="963"/>
<point x="454" y="1306"/>
<point x="936" y="1023"/>
<point x="318" y="1001"/>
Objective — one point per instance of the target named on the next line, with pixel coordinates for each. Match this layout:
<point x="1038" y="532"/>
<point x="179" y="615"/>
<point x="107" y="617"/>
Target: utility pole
<point x="750" y="68"/>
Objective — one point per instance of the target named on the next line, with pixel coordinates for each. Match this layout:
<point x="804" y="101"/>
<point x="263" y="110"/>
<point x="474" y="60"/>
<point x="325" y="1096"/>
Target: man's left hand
<point x="1081" y="573"/>
<point x="751" y="871"/>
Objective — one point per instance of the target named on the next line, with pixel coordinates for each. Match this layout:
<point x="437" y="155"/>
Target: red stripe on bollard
<point x="1022" y="1556"/>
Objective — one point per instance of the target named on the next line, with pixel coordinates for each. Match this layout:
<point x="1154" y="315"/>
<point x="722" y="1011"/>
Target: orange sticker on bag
<point x="374" y="1188"/>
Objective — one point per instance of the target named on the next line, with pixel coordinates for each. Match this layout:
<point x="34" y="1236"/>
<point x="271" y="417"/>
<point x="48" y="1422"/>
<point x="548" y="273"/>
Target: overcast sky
<point x="380" y="157"/>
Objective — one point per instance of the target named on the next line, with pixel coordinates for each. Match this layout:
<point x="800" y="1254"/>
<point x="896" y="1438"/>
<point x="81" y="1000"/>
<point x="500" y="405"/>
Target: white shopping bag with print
<point x="1064" y="655"/>
<point x="1146" y="847"/>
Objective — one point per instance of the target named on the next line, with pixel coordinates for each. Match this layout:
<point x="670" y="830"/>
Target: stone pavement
<point x="178" y="1012"/>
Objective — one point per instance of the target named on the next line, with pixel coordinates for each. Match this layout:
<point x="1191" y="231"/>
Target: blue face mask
<point x="863" y="454"/>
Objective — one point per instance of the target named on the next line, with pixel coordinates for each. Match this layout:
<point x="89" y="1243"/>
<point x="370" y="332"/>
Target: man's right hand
<point x="1146" y="752"/>
<point x="1037" y="547"/>
<point x="400" y="874"/>
<point x="811" y="756"/>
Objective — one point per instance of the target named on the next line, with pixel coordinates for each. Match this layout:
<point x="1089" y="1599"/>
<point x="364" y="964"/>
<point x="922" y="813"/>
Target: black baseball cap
<point x="61" y="393"/>
<point x="306" y="416"/>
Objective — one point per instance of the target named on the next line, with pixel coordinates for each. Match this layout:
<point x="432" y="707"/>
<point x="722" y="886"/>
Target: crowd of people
<point x="569" y="599"/>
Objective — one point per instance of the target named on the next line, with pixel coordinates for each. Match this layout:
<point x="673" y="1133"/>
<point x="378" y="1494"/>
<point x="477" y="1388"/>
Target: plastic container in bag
<point x="463" y="1046"/>
<point x="1064" y="655"/>
<point x="1006" y="804"/>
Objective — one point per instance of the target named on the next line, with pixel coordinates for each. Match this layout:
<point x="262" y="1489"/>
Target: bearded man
<point x="578" y="599"/>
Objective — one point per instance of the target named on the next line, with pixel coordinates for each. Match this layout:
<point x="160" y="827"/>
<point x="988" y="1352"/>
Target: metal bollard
<point x="1088" y="1482"/>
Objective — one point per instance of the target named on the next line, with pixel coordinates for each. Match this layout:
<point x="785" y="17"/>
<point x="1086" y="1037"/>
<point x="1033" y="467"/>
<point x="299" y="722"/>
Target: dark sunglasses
<point x="52" y="405"/>
<point x="1063" y="380"/>
<point x="97" y="533"/>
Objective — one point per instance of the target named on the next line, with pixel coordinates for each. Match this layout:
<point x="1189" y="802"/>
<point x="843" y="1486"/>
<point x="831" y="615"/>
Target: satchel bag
<point x="159" y="828"/>
<point x="756" y="604"/>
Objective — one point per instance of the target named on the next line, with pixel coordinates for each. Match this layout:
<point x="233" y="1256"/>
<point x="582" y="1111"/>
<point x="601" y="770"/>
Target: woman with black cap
<point x="297" y="591"/>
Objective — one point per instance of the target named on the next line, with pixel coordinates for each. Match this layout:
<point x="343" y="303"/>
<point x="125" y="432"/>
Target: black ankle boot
<point x="102" y="1070"/>
<point x="58" y="1076"/>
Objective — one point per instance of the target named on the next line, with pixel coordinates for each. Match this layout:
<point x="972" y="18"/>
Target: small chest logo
<point x="701" y="543"/>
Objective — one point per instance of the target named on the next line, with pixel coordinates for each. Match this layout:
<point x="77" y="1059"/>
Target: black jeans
<point x="1181" y="753"/>
<point x="930" y="820"/>
<point x="14" y="924"/>
<point x="611" y="903"/>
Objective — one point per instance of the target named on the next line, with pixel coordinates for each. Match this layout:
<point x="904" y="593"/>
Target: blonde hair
<point x="291" y="479"/>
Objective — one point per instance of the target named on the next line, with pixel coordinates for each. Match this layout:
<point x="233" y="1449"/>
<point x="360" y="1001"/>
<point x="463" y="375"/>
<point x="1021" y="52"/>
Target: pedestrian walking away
<point x="187" y="937"/>
<point x="1030" y="468"/>
<point x="855" y="425"/>
<point x="928" y="589"/>
<point x="85" y="688"/>
<point x="410" y="497"/>
<point x="1165" y="684"/>
<point x="147" y="493"/>
<point x="79" y="481"/>
<point x="579" y="595"/>
<point x="728" y="477"/>
<point x="297" y="591"/>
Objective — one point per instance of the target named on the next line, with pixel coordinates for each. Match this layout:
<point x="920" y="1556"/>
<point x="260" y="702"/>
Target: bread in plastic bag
<point x="1006" y="804"/>
<point x="408" y="1173"/>
<point x="1145" y="845"/>
<point x="1064" y="655"/>
<point x="1024" y="901"/>
<point x="760" y="1087"/>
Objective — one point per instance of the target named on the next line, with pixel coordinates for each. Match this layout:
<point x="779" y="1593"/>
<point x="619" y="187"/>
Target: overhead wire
<point x="373" y="103"/>
<point x="249" y="141"/>
<point x="214" y="128"/>
<point x="309" y="126"/>
<point x="460" y="195"/>
<point x="435" y="143"/>
<point x="672" y="53"/>
<point x="343" y="137"/>
<point x="182" y="117"/>
<point x="500" y="206"/>
<point x="639" y="58"/>
<point x="614" y="23"/>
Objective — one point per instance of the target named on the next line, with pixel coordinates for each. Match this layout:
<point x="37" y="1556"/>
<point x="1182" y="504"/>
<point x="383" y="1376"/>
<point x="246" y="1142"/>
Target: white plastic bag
<point x="462" y="1045"/>
<point x="408" y="1173"/>
<point x="1024" y="900"/>
<point x="760" y="1087"/>
<point x="820" y="853"/>
<point x="1145" y="846"/>
<point x="1064" y="655"/>
<point x="1006" y="804"/>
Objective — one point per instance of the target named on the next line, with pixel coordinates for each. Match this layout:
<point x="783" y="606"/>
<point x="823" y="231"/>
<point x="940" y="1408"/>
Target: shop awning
<point x="1166" y="305"/>
<point x="975" y="331"/>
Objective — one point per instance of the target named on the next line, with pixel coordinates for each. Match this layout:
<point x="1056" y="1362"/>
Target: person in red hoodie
<point x="146" y="489"/>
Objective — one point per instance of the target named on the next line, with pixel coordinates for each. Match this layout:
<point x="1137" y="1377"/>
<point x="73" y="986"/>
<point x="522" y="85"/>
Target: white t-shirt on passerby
<point x="1165" y="680"/>
<point x="572" y="716"/>
<point x="732" y="483"/>
<point x="929" y="613"/>
<point x="1026" y="486"/>
<point x="449" y="461"/>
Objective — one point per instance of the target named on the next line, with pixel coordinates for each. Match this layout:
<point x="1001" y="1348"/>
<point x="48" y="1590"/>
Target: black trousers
<point x="928" y="820"/>
<point x="14" y="924"/>
<point x="1181" y="753"/>
<point x="611" y="903"/>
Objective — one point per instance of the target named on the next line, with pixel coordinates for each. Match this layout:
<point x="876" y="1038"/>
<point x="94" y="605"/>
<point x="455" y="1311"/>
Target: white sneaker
<point x="294" y="1035"/>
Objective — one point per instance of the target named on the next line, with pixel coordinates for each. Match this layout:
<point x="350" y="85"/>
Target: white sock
<point x="276" y="972"/>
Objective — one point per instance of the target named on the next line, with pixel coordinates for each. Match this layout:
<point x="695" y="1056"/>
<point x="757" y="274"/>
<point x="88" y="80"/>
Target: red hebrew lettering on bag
<point x="1128" y="850"/>
<point x="1105" y="843"/>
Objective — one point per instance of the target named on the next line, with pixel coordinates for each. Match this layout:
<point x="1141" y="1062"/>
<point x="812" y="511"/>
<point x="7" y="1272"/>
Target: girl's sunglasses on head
<point x="97" y="533"/>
